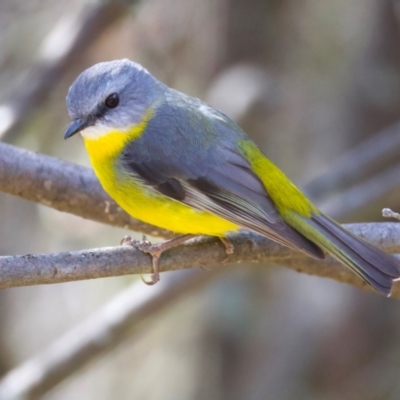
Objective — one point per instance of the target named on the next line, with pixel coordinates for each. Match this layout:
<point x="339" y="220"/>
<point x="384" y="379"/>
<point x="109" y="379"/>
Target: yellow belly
<point x="149" y="206"/>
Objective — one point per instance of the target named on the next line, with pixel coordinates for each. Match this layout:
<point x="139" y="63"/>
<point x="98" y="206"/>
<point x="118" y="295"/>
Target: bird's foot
<point x="229" y="247"/>
<point x="155" y="251"/>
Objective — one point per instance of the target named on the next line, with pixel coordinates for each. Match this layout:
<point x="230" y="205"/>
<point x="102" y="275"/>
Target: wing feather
<point x="226" y="187"/>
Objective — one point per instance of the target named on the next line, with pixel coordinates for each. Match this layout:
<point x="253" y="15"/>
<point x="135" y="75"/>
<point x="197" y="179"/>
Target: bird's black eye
<point x="112" y="100"/>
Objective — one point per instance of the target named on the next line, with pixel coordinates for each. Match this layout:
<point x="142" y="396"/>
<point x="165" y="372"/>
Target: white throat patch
<point x="95" y="131"/>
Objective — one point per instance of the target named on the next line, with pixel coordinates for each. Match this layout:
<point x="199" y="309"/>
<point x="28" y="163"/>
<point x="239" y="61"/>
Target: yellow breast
<point x="142" y="202"/>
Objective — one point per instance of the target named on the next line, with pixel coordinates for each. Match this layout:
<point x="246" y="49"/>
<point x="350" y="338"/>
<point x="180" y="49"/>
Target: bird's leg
<point x="229" y="248"/>
<point x="155" y="250"/>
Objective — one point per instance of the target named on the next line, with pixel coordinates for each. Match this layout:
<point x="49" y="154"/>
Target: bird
<point x="175" y="162"/>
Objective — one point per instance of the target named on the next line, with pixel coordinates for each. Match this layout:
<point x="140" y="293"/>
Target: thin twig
<point x="388" y="213"/>
<point x="63" y="186"/>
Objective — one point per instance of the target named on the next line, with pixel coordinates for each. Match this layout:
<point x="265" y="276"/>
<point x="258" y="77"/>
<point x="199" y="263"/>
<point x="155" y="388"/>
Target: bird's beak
<point x="75" y="126"/>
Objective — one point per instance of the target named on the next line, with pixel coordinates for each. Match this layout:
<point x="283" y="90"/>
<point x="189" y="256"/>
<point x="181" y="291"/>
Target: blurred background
<point x="317" y="86"/>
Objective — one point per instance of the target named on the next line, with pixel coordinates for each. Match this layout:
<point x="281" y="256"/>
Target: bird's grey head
<point x="112" y="95"/>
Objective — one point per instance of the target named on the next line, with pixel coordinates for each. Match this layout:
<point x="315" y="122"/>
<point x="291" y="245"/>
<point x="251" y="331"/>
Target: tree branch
<point x="123" y="260"/>
<point x="70" y="188"/>
<point x="358" y="163"/>
<point x="63" y="186"/>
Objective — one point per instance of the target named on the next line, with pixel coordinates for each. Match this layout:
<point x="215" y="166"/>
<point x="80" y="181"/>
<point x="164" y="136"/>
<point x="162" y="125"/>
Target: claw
<point x="155" y="251"/>
<point x="126" y="241"/>
<point x="151" y="282"/>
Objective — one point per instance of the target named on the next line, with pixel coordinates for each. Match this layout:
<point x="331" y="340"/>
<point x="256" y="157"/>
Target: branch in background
<point x="63" y="186"/>
<point x="57" y="56"/>
<point x="366" y="196"/>
<point x="358" y="164"/>
<point x="124" y="260"/>
<point x="124" y="316"/>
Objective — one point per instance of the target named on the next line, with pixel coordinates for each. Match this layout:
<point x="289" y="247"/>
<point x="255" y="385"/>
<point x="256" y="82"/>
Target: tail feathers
<point x="376" y="267"/>
<point x="287" y="236"/>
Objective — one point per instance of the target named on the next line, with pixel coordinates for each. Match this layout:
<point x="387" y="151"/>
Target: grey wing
<point x="220" y="181"/>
